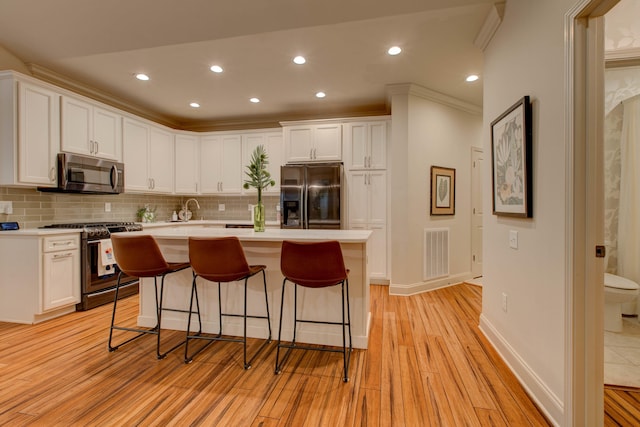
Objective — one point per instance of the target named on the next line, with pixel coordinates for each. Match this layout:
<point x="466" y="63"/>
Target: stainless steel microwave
<point x="81" y="174"/>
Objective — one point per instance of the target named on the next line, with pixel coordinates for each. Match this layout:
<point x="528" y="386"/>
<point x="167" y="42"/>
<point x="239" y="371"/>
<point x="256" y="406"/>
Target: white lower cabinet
<point x="31" y="292"/>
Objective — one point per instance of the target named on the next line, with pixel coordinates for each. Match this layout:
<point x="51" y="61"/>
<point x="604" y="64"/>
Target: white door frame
<point x="584" y="222"/>
<point x="476" y="270"/>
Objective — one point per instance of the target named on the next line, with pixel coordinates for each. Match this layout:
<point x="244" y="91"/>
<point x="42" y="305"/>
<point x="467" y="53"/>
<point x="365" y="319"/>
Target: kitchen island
<point x="262" y="248"/>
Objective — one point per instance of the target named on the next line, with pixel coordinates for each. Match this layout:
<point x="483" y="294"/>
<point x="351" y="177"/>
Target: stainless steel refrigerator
<point x="311" y="196"/>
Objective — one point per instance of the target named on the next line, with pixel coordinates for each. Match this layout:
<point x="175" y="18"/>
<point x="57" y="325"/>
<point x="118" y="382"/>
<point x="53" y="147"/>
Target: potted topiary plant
<point x="259" y="178"/>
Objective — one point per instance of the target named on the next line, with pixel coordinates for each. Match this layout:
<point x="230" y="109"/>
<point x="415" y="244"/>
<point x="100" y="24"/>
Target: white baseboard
<point x="416" y="288"/>
<point x="547" y="401"/>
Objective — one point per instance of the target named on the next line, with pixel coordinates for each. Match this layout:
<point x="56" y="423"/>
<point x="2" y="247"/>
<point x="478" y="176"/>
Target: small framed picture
<point x="511" y="161"/>
<point x="443" y="191"/>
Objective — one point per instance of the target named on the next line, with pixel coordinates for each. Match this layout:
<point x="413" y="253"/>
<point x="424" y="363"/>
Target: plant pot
<point x="258" y="217"/>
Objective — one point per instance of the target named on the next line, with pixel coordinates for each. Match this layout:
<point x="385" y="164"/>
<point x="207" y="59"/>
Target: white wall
<point x="425" y="133"/>
<point x="526" y="57"/>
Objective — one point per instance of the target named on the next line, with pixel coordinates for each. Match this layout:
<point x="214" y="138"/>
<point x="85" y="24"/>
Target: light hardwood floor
<point x="427" y="364"/>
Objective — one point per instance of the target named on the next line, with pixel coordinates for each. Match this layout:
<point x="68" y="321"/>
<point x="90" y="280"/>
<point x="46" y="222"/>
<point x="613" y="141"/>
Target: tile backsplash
<point x="32" y="208"/>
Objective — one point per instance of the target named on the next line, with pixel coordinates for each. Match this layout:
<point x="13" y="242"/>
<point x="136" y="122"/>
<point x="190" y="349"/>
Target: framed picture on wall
<point x="443" y="191"/>
<point x="511" y="161"/>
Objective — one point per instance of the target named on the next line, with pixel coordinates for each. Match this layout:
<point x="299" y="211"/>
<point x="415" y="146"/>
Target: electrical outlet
<point x="107" y="207"/>
<point x="6" y="207"/>
<point x="221" y="207"/>
<point x="249" y="207"/>
<point x="504" y="302"/>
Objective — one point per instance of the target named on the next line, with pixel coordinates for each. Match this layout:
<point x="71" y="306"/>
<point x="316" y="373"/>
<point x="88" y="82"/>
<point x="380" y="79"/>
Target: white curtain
<point x="629" y="213"/>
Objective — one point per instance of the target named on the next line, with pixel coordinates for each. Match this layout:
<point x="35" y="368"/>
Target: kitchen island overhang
<point x="263" y="248"/>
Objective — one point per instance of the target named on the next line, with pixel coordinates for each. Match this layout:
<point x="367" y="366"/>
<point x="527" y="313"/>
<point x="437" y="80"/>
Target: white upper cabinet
<point x="90" y="130"/>
<point x="29" y="132"/>
<point x="187" y="162"/>
<point x="313" y="142"/>
<point x="220" y="164"/>
<point x="148" y="158"/>
<point x="366" y="145"/>
<point x="273" y="144"/>
<point x="161" y="162"/>
<point x="38" y="135"/>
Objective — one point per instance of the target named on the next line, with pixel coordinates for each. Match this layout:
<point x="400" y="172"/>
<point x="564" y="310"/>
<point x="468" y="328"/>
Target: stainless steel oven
<point x="99" y="289"/>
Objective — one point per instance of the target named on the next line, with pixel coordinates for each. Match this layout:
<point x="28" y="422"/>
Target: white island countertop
<point x="269" y="235"/>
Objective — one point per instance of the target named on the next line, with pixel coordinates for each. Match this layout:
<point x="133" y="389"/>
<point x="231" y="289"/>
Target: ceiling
<point x="103" y="44"/>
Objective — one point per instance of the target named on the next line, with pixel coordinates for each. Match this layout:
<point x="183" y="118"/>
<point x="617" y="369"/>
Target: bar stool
<point x="222" y="260"/>
<point x="140" y="256"/>
<point x="314" y="265"/>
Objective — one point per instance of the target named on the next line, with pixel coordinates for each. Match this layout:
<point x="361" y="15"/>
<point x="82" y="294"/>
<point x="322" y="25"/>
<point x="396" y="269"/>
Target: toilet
<point x="617" y="291"/>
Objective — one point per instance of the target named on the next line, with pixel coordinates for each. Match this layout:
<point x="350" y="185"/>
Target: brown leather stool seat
<point x="222" y="260"/>
<point x="314" y="265"/>
<point x="140" y="256"/>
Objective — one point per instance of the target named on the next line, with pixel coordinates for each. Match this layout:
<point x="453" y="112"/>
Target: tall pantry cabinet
<point x="366" y="169"/>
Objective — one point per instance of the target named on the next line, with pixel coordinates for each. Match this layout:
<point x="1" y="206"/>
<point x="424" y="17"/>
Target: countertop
<point x="180" y="230"/>
<point x="38" y="232"/>
<point x="205" y="222"/>
<point x="269" y="235"/>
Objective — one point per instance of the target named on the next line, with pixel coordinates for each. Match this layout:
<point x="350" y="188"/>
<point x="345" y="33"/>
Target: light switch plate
<point x="221" y="207"/>
<point x="513" y="239"/>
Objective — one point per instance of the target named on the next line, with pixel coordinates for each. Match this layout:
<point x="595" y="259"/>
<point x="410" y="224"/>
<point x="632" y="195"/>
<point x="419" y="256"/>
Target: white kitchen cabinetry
<point x="220" y="164"/>
<point x="367" y="200"/>
<point x="313" y="142"/>
<point x="273" y="144"/>
<point x="90" y="130"/>
<point x="148" y="157"/>
<point x="187" y="162"/>
<point x="29" y="132"/>
<point x="31" y="292"/>
<point x="365" y="145"/>
<point x="61" y="271"/>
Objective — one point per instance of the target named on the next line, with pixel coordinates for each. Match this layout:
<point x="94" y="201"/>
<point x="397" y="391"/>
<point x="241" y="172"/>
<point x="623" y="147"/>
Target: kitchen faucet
<point x="186" y="208"/>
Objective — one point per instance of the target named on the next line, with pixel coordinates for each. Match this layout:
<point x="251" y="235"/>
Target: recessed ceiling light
<point x="299" y="60"/>
<point x="320" y="95"/>
<point x="216" y="69"/>
<point x="254" y="100"/>
<point x="194" y="105"/>
<point x="472" y="78"/>
<point x="141" y="76"/>
<point x="394" y="50"/>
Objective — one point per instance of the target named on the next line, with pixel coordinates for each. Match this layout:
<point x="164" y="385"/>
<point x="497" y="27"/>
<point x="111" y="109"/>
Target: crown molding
<point x="431" y="95"/>
<point x="491" y="24"/>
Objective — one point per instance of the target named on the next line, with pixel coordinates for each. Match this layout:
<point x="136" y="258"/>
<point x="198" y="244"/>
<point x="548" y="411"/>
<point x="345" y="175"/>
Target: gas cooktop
<point x="99" y="230"/>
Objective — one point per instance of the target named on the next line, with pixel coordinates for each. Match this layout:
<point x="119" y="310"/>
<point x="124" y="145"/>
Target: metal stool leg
<point x="141" y="332"/>
<point x="278" y="369"/>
